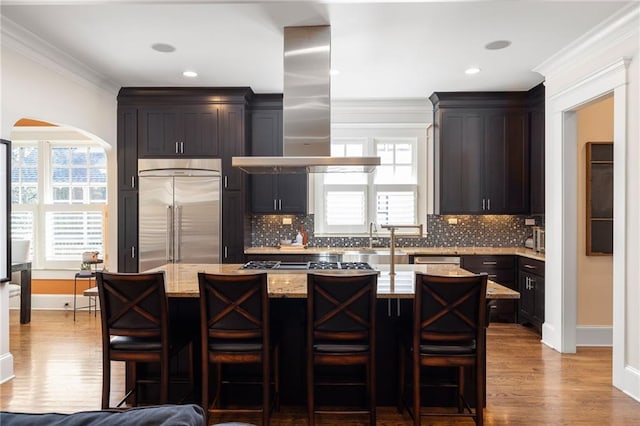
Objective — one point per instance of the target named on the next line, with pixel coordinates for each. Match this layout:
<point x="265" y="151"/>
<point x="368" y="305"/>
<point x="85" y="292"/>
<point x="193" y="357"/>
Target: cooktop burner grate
<point x="312" y="266"/>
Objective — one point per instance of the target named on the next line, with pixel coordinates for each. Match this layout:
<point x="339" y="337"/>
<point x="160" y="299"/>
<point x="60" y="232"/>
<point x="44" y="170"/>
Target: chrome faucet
<point x="372" y="229"/>
<point x="392" y="243"/>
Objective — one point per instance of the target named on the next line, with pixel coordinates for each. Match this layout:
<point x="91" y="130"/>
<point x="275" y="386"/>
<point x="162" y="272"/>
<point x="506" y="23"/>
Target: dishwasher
<point x="423" y="260"/>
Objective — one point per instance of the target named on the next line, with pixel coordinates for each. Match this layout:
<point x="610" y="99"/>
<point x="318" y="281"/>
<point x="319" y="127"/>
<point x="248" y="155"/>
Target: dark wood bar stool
<point x="341" y="332"/>
<point x="234" y="312"/>
<point x="448" y="330"/>
<point x="136" y="329"/>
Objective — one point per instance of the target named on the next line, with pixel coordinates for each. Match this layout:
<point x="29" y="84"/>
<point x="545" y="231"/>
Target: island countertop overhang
<point x="182" y="280"/>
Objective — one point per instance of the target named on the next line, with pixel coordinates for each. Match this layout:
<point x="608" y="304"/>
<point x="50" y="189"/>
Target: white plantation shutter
<point x="345" y="208"/>
<point x="397" y="207"/>
<point x="71" y="233"/>
<point x="22" y="227"/>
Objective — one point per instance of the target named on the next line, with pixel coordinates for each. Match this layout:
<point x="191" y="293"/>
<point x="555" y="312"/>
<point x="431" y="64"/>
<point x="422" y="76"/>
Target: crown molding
<point x="31" y="46"/>
<point x="622" y="25"/>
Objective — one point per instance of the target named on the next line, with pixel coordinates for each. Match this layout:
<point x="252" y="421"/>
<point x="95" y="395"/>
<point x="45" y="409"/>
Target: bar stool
<point x="84" y="275"/>
<point x="448" y="331"/>
<point x="341" y="332"/>
<point x="234" y="315"/>
<point x="136" y="329"/>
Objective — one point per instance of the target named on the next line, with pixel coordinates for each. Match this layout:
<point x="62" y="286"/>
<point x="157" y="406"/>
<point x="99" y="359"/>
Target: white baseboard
<point x="6" y="367"/>
<point x="51" y="302"/>
<point x="594" y="336"/>
<point x="632" y="382"/>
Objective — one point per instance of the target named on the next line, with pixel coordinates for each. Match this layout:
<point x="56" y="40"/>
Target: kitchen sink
<point x="374" y="256"/>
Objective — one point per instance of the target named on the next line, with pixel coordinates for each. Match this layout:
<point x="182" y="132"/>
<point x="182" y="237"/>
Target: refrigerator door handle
<point x="178" y="235"/>
<point x="169" y="246"/>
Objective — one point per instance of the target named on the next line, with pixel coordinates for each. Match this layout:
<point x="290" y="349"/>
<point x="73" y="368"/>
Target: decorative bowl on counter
<point x="285" y="242"/>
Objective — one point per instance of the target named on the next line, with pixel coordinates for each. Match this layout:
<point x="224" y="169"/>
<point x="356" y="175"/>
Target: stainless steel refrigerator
<point x="179" y="216"/>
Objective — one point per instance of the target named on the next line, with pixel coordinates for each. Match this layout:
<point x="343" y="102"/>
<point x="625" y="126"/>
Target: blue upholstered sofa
<point x="163" y="415"/>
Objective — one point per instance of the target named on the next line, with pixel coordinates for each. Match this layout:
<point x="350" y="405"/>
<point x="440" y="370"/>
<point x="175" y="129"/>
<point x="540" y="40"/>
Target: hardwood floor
<point x="58" y="368"/>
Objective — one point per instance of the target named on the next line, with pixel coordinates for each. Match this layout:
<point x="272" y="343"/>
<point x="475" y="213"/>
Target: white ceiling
<point x="382" y="50"/>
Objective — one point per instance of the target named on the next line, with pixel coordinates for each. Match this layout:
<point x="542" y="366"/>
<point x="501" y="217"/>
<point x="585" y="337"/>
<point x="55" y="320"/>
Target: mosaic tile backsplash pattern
<point x="470" y="231"/>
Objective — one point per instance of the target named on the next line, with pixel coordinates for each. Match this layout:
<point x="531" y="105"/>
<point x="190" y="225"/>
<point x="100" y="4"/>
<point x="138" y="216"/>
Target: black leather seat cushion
<point x="454" y="348"/>
<point x="340" y="348"/>
<point x="235" y="346"/>
<point x="127" y="343"/>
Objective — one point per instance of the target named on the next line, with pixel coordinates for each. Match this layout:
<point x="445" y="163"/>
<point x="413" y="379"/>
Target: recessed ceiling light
<point x="333" y="72"/>
<point x="190" y="74"/>
<point x="497" y="45"/>
<point x="163" y="47"/>
<point x="472" y="70"/>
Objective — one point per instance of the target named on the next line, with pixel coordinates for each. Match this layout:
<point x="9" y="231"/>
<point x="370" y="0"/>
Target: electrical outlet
<point x="529" y="222"/>
<point x="286" y="221"/>
<point x="452" y="221"/>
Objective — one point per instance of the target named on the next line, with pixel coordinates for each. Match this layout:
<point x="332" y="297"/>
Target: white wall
<point x="30" y="89"/>
<point x="602" y="62"/>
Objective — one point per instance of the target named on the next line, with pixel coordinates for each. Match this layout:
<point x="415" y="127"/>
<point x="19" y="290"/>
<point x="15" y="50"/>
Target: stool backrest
<point x="234" y="306"/>
<point x="449" y="308"/>
<point x="133" y="304"/>
<point x="341" y="307"/>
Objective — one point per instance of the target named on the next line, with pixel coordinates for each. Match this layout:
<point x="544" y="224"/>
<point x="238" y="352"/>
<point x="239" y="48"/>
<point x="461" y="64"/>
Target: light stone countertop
<point x="412" y="251"/>
<point x="182" y="280"/>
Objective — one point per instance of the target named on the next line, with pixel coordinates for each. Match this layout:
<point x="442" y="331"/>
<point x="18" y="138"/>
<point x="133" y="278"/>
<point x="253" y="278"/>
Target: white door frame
<point x="559" y="329"/>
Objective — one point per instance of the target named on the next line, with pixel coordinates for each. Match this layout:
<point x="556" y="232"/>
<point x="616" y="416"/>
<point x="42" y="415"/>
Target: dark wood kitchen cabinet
<point x="501" y="269"/>
<point x="128" y="231"/>
<point x="169" y="122"/>
<point x="234" y="143"/>
<point x="531" y="288"/>
<point x="481" y="145"/>
<point x="233" y="207"/>
<point x="273" y="194"/>
<point x="174" y="131"/>
<point x="537" y="138"/>
<point x="127" y="154"/>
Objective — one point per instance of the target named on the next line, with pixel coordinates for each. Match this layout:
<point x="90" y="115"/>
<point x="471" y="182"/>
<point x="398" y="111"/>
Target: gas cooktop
<point x="306" y="266"/>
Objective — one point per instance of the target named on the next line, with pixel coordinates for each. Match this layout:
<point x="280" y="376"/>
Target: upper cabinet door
<point x="232" y="137"/>
<point x="159" y="132"/>
<point x="200" y="133"/>
<point x="506" y="163"/>
<point x="179" y="131"/>
<point x="127" y="148"/>
<point x="461" y="142"/>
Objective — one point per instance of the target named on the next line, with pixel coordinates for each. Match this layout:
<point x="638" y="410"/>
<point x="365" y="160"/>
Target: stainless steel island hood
<point x="306" y="111"/>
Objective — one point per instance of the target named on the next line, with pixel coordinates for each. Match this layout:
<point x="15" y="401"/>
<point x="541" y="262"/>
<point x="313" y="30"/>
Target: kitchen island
<point x="182" y="280"/>
<point x="287" y="292"/>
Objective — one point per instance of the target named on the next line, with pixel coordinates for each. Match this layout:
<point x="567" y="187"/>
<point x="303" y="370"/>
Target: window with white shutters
<point x="59" y="201"/>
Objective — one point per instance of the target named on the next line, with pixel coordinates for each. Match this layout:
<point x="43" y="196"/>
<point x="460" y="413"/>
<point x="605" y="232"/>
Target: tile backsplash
<point x="470" y="231"/>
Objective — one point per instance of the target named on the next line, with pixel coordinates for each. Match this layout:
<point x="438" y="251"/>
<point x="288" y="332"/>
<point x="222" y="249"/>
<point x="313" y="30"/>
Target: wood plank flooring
<point x="58" y="368"/>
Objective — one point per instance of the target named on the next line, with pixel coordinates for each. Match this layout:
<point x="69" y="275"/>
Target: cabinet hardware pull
<point x="274" y="205"/>
<point x="389" y="307"/>
<point x="226" y="252"/>
<point x="133" y="252"/>
<point x="489" y="263"/>
<point x="225" y="182"/>
<point x="177" y="148"/>
<point x="493" y="276"/>
<point x="398" y="302"/>
<point x="133" y="182"/>
<point x="488" y="203"/>
<point x="483" y="204"/>
<point x="280" y="204"/>
<point x="529" y="266"/>
<point x="181" y="147"/>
